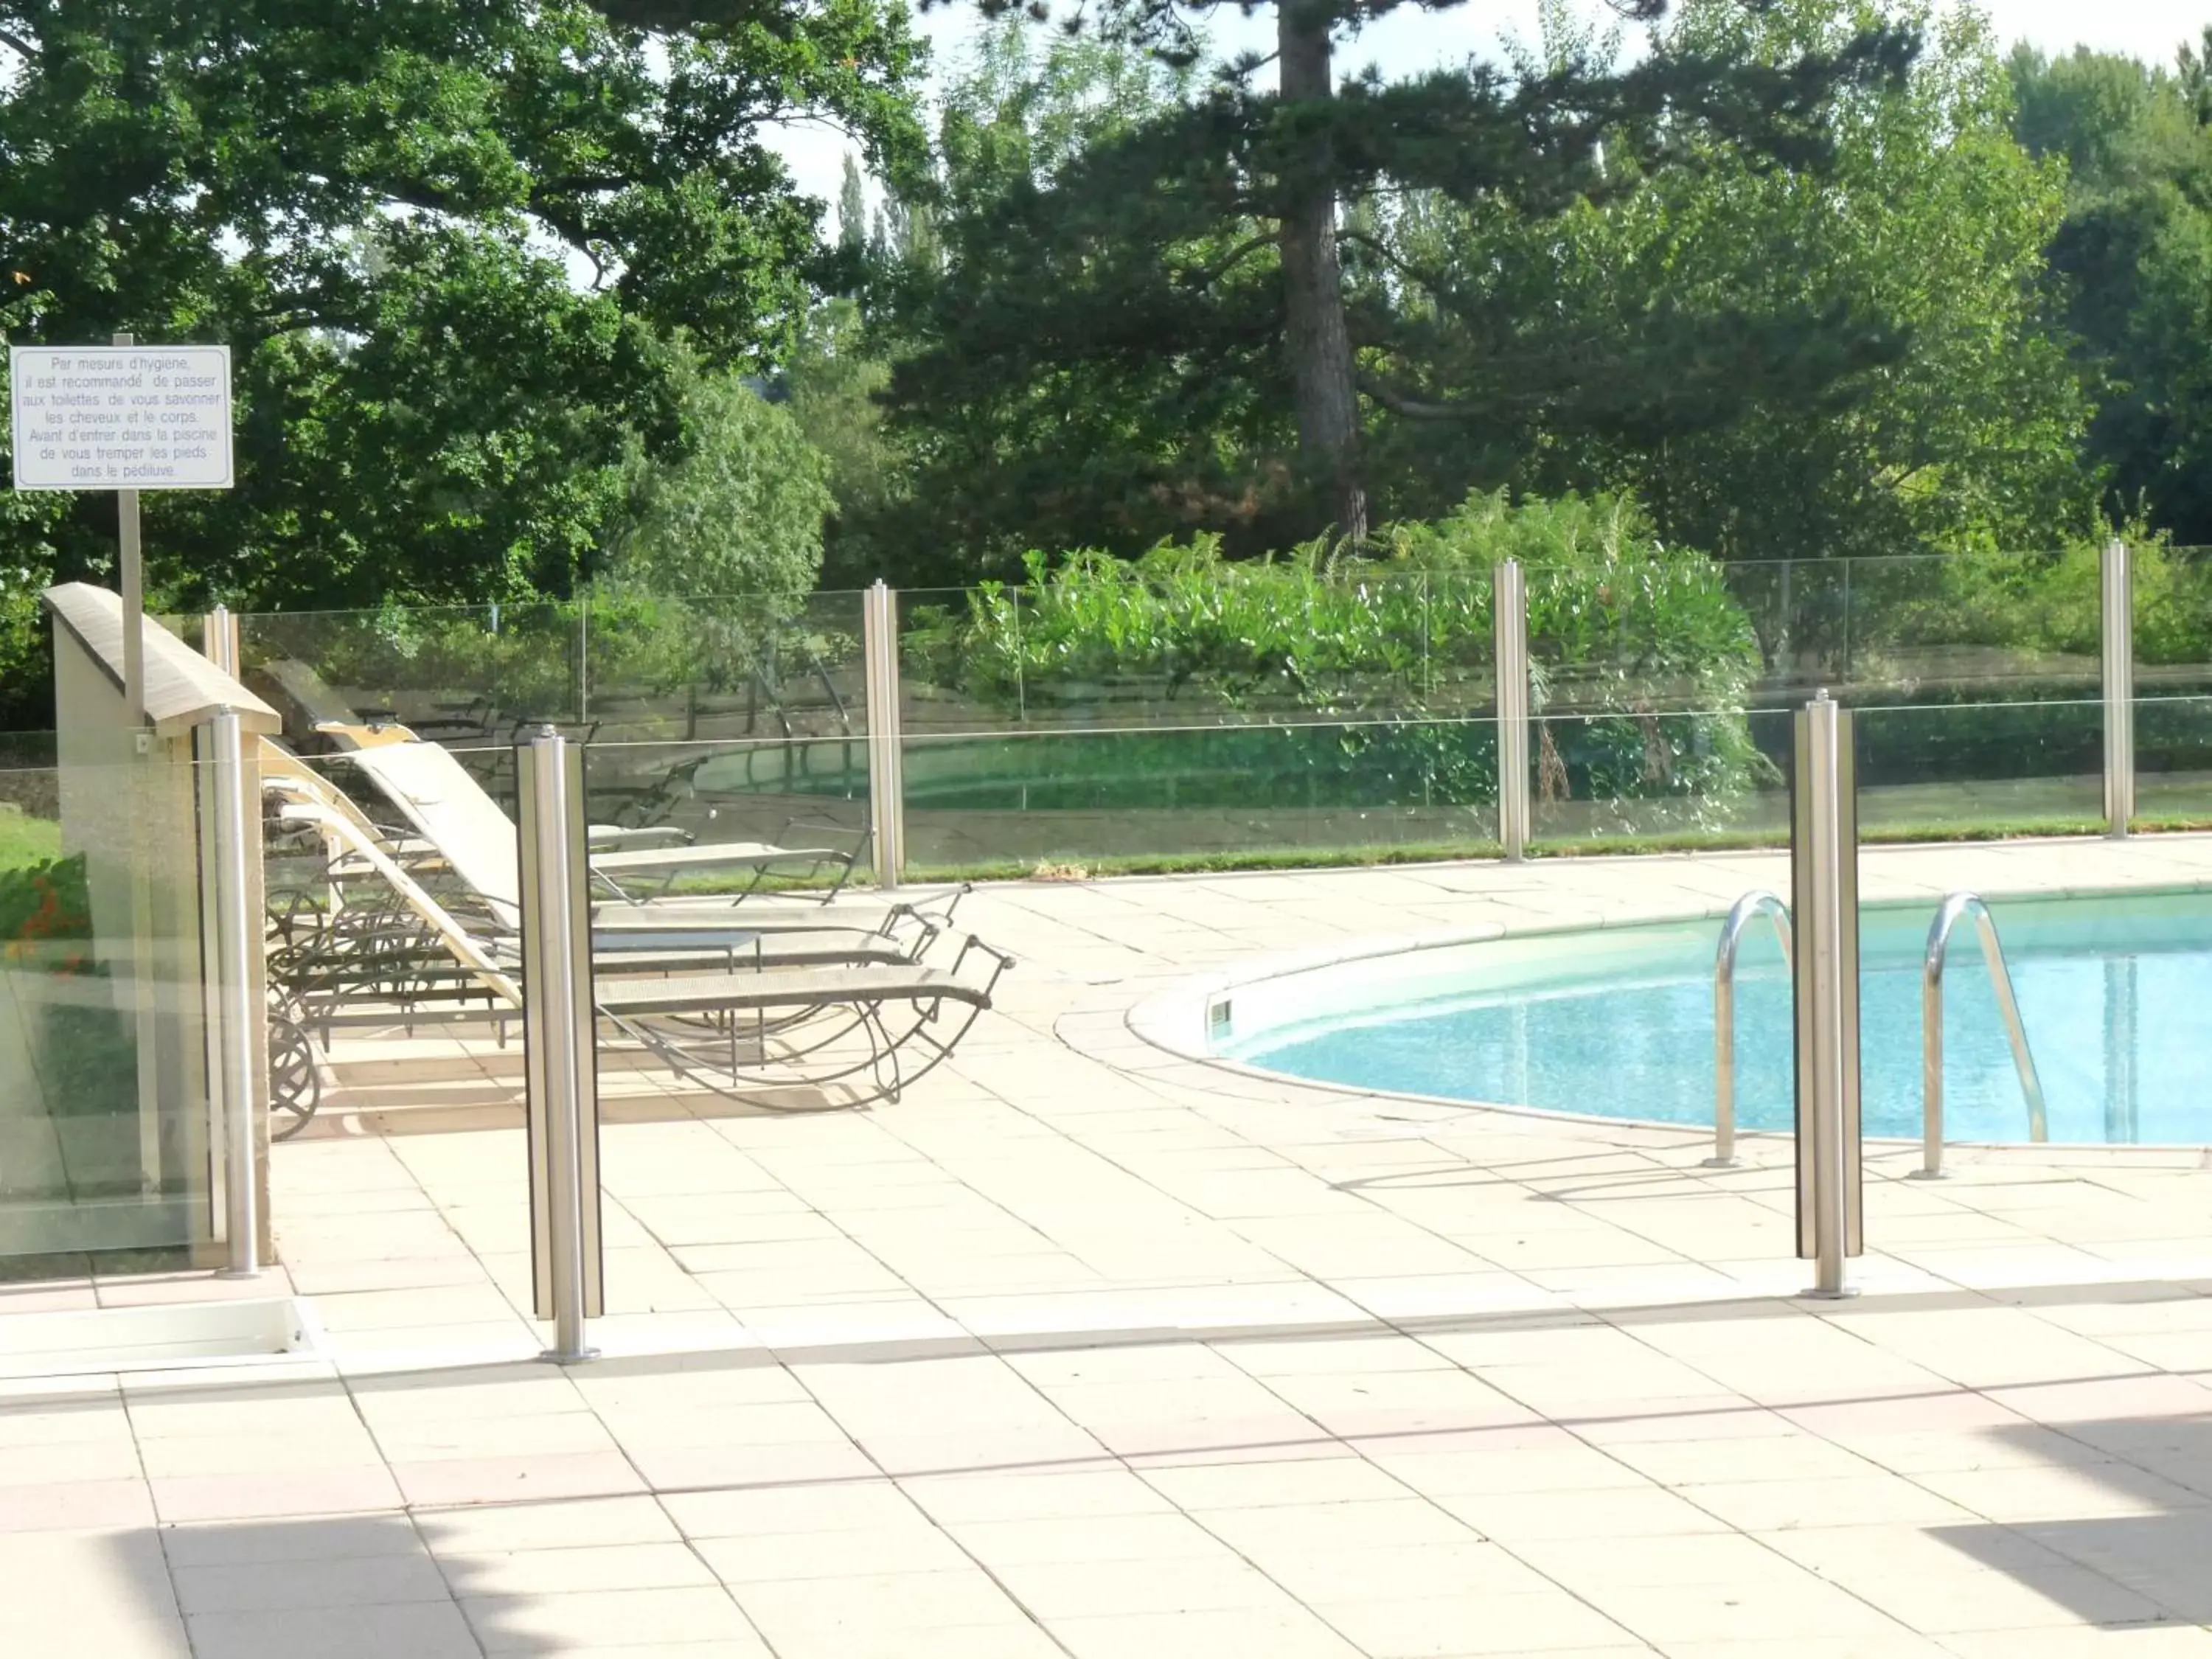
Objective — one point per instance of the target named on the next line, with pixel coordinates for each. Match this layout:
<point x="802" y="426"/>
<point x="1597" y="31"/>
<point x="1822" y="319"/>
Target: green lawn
<point x="25" y="840"/>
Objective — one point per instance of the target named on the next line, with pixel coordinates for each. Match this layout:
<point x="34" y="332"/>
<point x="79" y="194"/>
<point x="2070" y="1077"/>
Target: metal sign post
<point x="133" y="582"/>
<point x="560" y="1054"/>
<point x="1509" y="606"/>
<point x="1824" y="846"/>
<point x="123" y="417"/>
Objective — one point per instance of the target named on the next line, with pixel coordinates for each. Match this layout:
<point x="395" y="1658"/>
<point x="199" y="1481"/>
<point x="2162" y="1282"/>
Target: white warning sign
<point x="120" y="417"/>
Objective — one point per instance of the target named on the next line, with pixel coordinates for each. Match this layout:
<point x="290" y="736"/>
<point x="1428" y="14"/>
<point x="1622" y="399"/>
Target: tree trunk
<point x="1313" y="283"/>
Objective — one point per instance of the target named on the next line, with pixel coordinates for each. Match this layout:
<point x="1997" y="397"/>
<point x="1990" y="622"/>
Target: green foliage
<point x="2053" y="604"/>
<point x="454" y="245"/>
<point x="834" y="378"/>
<point x="2131" y="267"/>
<point x="1373" y="671"/>
<point x="740" y="512"/>
<point x="1050" y="374"/>
<point x="25" y="840"/>
<point x="1126" y="338"/>
<point x="1791" y="362"/>
<point x="83" y="1050"/>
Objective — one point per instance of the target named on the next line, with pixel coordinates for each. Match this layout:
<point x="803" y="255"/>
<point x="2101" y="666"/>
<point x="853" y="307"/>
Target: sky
<point x="1411" y="39"/>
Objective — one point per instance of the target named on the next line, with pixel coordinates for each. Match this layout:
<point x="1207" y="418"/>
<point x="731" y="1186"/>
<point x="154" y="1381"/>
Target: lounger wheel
<point x="296" y="1086"/>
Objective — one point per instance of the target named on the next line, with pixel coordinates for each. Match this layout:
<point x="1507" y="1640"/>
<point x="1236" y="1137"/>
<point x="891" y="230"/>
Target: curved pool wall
<point x="2115" y="991"/>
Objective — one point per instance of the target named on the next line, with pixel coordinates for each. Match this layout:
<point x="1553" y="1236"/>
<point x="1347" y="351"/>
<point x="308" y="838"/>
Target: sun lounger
<point x="288" y="777"/>
<point x="449" y="809"/>
<point x="782" y="1010"/>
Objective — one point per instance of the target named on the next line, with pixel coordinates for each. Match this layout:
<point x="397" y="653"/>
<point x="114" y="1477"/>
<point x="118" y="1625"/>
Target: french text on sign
<point x="120" y="417"/>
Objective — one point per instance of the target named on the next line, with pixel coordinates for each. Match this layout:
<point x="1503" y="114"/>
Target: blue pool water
<point x="2115" y="995"/>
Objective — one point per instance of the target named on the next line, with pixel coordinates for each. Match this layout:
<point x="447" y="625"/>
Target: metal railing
<point x="1954" y="907"/>
<point x="1749" y="908"/>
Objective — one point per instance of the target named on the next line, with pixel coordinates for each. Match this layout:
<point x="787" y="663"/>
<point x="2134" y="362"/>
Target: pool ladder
<point x="1955" y="908"/>
<point x="1748" y="909"/>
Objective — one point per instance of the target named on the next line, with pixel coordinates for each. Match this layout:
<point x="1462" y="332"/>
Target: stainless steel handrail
<point x="1931" y="1028"/>
<point x="1748" y="909"/>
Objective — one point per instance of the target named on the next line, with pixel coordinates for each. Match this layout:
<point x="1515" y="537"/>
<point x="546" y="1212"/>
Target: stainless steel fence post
<point x="886" y="780"/>
<point x="560" y="1054"/>
<point x="1824" y="874"/>
<point x="219" y="639"/>
<point x="237" y="1026"/>
<point x="2119" y="655"/>
<point x="1510" y="622"/>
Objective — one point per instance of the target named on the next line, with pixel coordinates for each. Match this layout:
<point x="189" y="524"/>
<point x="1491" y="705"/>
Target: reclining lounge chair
<point x="450" y="809"/>
<point x="736" y="1009"/>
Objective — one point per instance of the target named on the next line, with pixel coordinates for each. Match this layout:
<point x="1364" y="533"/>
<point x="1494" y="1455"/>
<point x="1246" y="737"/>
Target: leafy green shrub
<point x="1643" y="658"/>
<point x="2049" y="602"/>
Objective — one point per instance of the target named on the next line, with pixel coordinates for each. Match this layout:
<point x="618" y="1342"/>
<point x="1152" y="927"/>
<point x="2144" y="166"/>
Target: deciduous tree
<point x="453" y="244"/>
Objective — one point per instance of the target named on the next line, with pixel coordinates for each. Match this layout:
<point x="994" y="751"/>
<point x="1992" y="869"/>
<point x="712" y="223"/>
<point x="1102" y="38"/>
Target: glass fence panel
<point x="2174" y="761"/>
<point x="1980" y="628"/>
<point x="393" y="877"/>
<point x="1260" y="644"/>
<point x="109" y="1153"/>
<point x="748" y="666"/>
<point x="1456" y="672"/>
<point x="959" y="662"/>
<point x="1138" y="797"/>
<point x="1617" y="643"/>
<point x="1722" y="776"/>
<point x="786" y="813"/>
<point x="1716" y="776"/>
<point x="471" y="674"/>
<point x="2173" y="686"/>
<point x="1984" y="768"/>
<point x="729" y="817"/>
<point x="1647" y="685"/>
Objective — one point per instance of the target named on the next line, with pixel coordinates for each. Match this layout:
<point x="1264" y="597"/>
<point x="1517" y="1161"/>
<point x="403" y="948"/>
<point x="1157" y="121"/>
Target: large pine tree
<point x="1206" y="246"/>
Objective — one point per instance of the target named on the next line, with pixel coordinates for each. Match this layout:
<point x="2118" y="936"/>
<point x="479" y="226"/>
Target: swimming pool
<point x="2115" y="991"/>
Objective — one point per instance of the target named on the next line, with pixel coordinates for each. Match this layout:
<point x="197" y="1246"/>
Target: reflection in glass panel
<point x="2173" y="686"/>
<point x="1708" y="775"/>
<point x="105" y="997"/>
<point x="1132" y="797"/>
<point x="1987" y="769"/>
<point x="617" y="665"/>
<point x="1100" y="649"/>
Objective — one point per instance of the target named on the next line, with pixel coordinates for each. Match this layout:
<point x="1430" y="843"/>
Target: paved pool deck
<point x="1086" y="1349"/>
